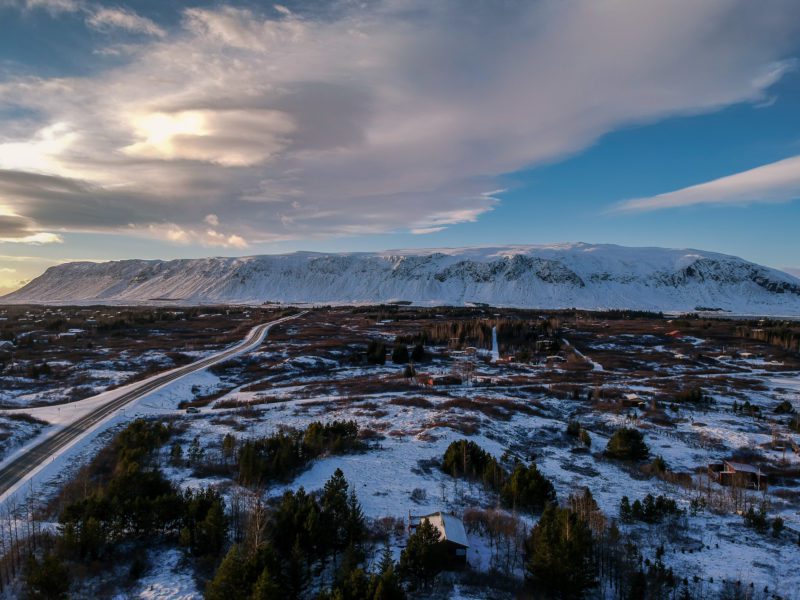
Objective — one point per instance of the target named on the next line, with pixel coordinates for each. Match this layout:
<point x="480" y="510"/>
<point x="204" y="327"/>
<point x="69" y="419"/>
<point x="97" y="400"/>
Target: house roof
<point x="450" y="528"/>
<point x="737" y="466"/>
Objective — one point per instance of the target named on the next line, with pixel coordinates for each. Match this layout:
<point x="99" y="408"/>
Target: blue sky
<point x="159" y="130"/>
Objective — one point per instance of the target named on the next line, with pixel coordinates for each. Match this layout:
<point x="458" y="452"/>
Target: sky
<point x="151" y="129"/>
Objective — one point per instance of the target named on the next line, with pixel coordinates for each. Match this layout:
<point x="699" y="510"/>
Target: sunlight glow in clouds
<point x="397" y="115"/>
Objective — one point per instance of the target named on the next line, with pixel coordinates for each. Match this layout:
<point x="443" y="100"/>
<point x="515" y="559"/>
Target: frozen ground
<point x="307" y="373"/>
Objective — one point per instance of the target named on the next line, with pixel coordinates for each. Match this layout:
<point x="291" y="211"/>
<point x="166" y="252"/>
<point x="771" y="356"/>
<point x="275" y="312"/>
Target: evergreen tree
<point x="388" y="587"/>
<point x="376" y="352"/>
<point x="266" y="587"/>
<point x="47" y="579"/>
<point x="627" y="444"/>
<point x="418" y="353"/>
<point x="399" y="354"/>
<point x="356" y="524"/>
<point x="298" y="569"/>
<point x="230" y="580"/>
<point x="527" y="489"/>
<point x="387" y="584"/>
<point x="559" y="555"/>
<point x="212" y="530"/>
<point x="625" y="514"/>
<point x="423" y="556"/>
<point x="335" y="512"/>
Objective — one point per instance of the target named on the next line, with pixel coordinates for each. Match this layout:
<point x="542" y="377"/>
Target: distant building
<point x="451" y="531"/>
<point x="631" y="400"/>
<point x="438" y="380"/>
<point x="737" y="474"/>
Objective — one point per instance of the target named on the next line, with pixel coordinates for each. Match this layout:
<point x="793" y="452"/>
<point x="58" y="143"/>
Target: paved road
<point x="16" y="470"/>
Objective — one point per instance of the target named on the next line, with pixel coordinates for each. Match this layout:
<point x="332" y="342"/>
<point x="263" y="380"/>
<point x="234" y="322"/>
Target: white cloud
<point x="396" y="115"/>
<point x="212" y="220"/>
<point x="775" y="182"/>
<point x="52" y="6"/>
<point x="7" y="270"/>
<point x="426" y="230"/>
<point x="120" y="18"/>
<point x="34" y="238"/>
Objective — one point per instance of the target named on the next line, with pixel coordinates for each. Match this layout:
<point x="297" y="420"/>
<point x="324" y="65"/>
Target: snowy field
<point x="307" y="372"/>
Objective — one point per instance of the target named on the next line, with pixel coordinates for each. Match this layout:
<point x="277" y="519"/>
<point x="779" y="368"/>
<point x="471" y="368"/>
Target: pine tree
<point x="266" y="587"/>
<point x="230" y="580"/>
<point x="559" y="554"/>
<point x="527" y="489"/>
<point x="212" y="530"/>
<point x="388" y="587"/>
<point x="423" y="556"/>
<point x="387" y="561"/>
<point x="399" y="354"/>
<point x="625" y="514"/>
<point x="228" y="447"/>
<point x="627" y="444"/>
<point x="335" y="512"/>
<point x="356" y="525"/>
<point x="418" y="353"/>
<point x="195" y="452"/>
<point x="387" y="584"/>
<point x="47" y="579"/>
<point x="298" y="569"/>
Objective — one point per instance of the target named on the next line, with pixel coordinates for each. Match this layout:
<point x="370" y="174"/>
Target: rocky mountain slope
<point x="556" y="276"/>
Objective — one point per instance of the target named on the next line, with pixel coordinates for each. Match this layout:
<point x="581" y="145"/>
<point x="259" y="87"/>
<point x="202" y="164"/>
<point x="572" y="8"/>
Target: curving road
<point x="15" y="470"/>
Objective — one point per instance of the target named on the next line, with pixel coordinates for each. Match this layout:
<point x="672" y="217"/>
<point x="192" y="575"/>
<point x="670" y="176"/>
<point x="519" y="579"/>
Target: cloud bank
<point x="394" y="115"/>
<point x="775" y="182"/>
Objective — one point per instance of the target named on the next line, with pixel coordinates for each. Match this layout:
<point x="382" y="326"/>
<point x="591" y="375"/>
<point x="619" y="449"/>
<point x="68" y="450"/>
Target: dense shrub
<point x="627" y="444"/>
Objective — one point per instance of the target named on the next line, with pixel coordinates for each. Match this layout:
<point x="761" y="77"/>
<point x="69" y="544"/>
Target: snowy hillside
<point x="557" y="276"/>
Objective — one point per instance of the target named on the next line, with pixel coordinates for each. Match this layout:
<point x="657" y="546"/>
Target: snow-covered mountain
<point x="558" y="276"/>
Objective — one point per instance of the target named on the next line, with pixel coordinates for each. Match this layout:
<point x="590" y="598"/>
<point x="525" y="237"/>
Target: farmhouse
<point x="451" y="531"/>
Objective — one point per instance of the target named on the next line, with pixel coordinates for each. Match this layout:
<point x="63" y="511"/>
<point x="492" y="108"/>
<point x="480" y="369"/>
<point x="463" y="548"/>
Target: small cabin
<point x="632" y="400"/>
<point x="451" y="533"/>
<point x="730" y="473"/>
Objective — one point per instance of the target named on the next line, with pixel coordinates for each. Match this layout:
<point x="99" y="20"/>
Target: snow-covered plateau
<point x="576" y="275"/>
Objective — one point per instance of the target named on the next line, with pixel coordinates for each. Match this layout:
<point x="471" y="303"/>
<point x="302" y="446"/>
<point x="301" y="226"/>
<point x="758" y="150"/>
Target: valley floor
<point x="596" y="371"/>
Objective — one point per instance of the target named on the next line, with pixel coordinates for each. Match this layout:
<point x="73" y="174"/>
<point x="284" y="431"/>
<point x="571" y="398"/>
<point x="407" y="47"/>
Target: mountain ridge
<point x="572" y="275"/>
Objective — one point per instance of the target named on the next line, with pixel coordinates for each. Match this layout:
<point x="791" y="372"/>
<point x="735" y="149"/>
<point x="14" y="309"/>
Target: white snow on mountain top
<point x="548" y="276"/>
